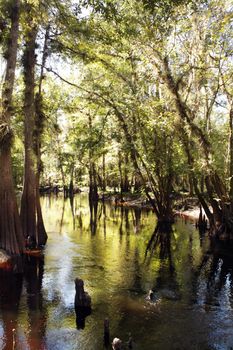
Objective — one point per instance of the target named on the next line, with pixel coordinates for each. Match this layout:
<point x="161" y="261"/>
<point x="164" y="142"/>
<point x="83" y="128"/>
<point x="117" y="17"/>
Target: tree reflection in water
<point x="165" y="284"/>
<point x="10" y="299"/>
<point x="161" y="238"/>
<point x="81" y="314"/>
<point x="93" y="216"/>
<point x="10" y="293"/>
<point x="37" y="315"/>
<point x="216" y="269"/>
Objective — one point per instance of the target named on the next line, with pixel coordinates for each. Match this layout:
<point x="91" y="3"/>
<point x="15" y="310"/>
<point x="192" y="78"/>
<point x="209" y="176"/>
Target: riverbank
<point x="190" y="214"/>
<point x="184" y="206"/>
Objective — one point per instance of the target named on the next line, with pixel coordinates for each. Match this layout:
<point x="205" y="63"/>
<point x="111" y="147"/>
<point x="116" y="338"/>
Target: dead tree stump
<point x="82" y="303"/>
<point x="82" y="298"/>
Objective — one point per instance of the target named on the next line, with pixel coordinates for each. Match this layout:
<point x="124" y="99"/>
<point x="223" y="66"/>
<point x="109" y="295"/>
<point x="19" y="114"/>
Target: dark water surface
<point x="192" y="284"/>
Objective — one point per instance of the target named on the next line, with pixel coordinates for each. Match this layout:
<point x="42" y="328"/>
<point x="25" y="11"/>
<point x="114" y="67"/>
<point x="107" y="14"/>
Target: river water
<point x="192" y="306"/>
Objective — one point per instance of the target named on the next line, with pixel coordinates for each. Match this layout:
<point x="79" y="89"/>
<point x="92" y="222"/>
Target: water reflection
<point x="12" y="297"/>
<point x="10" y="293"/>
<point x="121" y="256"/>
<point x="165" y="284"/>
<point x="81" y="317"/>
<point x="93" y="216"/>
<point x="217" y="268"/>
<point x="37" y="318"/>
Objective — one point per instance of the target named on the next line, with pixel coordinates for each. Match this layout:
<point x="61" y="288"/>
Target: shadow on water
<point x="10" y="300"/>
<point x="216" y="269"/>
<point x="37" y="314"/>
<point x="10" y="293"/>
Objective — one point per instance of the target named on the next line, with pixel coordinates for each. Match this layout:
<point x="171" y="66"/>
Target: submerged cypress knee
<point x="82" y="298"/>
<point x="82" y="303"/>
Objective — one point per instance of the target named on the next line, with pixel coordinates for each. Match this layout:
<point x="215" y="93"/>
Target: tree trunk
<point x="221" y="219"/>
<point x="121" y="175"/>
<point x="104" y="174"/>
<point x="93" y="188"/>
<point x="126" y="187"/>
<point x="39" y="124"/>
<point x="231" y="151"/>
<point x="71" y="185"/>
<point x="31" y="216"/>
<point x="11" y="238"/>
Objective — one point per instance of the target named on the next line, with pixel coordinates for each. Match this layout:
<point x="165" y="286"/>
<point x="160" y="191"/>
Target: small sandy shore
<point x="192" y="214"/>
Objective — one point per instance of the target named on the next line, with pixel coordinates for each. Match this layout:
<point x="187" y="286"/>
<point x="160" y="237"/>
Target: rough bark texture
<point x="31" y="215"/>
<point x="11" y="238"/>
<point x="39" y="124"/>
<point x="28" y="201"/>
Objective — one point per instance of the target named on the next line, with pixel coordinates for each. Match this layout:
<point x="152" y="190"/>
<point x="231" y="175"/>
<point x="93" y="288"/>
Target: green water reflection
<point x="108" y="248"/>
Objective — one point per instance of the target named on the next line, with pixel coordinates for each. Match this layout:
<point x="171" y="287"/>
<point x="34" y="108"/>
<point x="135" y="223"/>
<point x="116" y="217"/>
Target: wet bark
<point x="11" y="238"/>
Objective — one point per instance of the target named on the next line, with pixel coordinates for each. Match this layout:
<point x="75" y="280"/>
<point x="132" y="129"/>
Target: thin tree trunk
<point x="231" y="151"/>
<point x="104" y="174"/>
<point x="11" y="238"/>
<point x="71" y="185"/>
<point x="121" y="175"/>
<point x="93" y="188"/>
